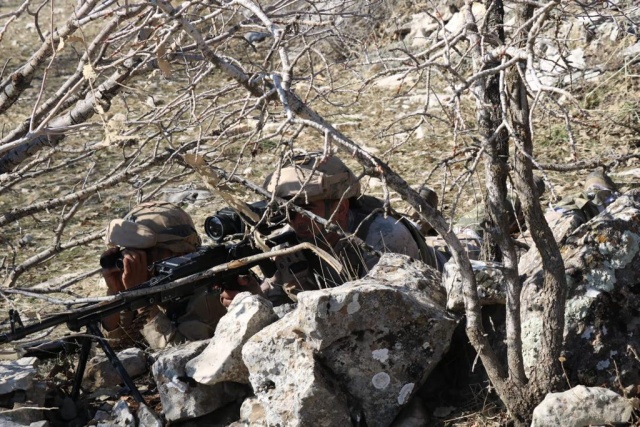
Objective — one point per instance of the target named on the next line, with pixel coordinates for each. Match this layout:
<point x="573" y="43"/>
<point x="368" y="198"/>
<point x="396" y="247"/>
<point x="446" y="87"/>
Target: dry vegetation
<point x="182" y="102"/>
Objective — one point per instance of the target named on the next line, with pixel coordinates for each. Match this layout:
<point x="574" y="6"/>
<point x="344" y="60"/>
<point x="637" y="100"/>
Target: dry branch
<point x="13" y="86"/>
<point x="96" y="100"/>
<point x="20" y="212"/>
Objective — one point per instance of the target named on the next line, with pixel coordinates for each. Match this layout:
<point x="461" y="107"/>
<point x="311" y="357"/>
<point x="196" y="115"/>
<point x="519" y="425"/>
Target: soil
<point x="422" y="148"/>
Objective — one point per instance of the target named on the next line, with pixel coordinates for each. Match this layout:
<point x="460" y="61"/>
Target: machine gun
<point x="174" y="280"/>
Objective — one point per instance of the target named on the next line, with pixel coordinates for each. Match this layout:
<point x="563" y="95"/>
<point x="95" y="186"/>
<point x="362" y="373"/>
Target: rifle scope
<point x="228" y="222"/>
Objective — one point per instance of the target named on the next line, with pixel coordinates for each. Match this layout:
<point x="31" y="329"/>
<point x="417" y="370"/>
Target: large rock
<point x="148" y="418"/>
<point x="122" y="415"/>
<point x="582" y="406"/>
<point x="100" y="373"/>
<point x="602" y="325"/>
<point x="251" y="414"/>
<point x="221" y="360"/>
<point x="357" y="351"/>
<point x="26" y="408"/>
<point x="17" y="374"/>
<point x="456" y="24"/>
<point x="562" y="224"/>
<point x="181" y="397"/>
<point x="9" y="422"/>
<point x="422" y="25"/>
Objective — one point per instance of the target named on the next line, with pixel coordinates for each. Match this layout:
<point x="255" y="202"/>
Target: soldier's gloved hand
<point x="133" y="273"/>
<point x="247" y="282"/>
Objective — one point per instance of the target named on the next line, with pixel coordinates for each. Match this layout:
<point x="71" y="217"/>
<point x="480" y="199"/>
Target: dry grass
<point x="378" y="119"/>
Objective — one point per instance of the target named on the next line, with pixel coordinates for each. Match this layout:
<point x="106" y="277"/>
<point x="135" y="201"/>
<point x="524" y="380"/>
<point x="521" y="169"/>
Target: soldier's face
<point x="309" y="230"/>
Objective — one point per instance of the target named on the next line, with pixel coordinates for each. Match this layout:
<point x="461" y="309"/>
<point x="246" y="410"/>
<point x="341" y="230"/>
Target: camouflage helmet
<point x="312" y="177"/>
<point x="600" y="188"/>
<point x="154" y="224"/>
<point x="429" y="196"/>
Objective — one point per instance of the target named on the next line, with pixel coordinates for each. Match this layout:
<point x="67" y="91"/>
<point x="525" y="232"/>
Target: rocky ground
<point x="605" y="125"/>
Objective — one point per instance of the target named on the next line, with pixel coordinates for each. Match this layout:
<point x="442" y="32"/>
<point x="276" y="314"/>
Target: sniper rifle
<point x="174" y="280"/>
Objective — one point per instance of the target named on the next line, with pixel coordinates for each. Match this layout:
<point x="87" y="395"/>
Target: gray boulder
<point x="602" y="261"/>
<point x="582" y="406"/>
<point x="181" y="396"/>
<point x="357" y="351"/>
<point x="27" y="404"/>
<point x="100" y="373"/>
<point x="148" y="418"/>
<point x="17" y="374"/>
<point x="25" y="395"/>
<point x="9" y="422"/>
<point x="122" y="415"/>
<point x="252" y="414"/>
<point x="489" y="280"/>
<point x="562" y="224"/>
<point x="221" y="360"/>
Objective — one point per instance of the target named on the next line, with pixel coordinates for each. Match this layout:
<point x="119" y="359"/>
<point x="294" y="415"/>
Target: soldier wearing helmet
<point x="598" y="192"/>
<point x="150" y="232"/>
<point x="327" y="188"/>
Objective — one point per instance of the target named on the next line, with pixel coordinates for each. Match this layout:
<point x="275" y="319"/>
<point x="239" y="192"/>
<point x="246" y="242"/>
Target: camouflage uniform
<point x="563" y="217"/>
<point x="599" y="191"/>
<point x="163" y="225"/>
<point x="471" y="226"/>
<point x="472" y="222"/>
<point x="311" y="179"/>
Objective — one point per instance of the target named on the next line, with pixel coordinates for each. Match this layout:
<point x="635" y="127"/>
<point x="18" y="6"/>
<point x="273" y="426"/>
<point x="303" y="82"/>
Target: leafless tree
<point x="101" y="100"/>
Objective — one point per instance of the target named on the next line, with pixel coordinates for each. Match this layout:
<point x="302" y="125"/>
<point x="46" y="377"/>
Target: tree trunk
<point x="544" y="379"/>
<point x="494" y="113"/>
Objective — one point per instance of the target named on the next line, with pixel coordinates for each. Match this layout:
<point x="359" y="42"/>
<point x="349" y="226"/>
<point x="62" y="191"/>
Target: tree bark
<point x="494" y="110"/>
<point x="546" y="377"/>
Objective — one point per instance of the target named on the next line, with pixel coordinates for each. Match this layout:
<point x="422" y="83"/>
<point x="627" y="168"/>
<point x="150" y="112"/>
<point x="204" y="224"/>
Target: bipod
<point x="95" y="333"/>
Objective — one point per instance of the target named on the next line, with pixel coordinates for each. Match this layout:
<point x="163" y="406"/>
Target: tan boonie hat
<point x="311" y="178"/>
<point x="154" y="224"/>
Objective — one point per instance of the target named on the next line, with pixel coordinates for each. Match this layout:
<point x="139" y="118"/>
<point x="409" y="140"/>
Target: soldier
<point x="563" y="217"/>
<point x="327" y="188"/>
<point x="151" y="232"/>
<point x="598" y="192"/>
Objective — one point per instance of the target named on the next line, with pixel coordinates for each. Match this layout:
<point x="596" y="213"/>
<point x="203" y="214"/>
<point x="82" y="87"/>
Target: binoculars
<point x="112" y="260"/>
